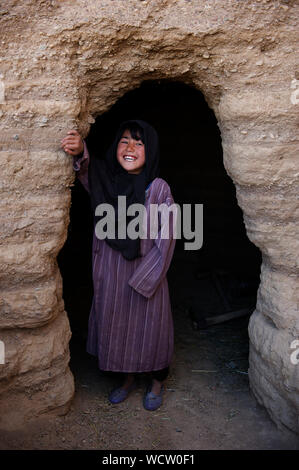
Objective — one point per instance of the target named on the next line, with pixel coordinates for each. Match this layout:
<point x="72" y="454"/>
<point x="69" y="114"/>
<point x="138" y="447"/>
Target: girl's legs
<point x="153" y="397"/>
<point x="129" y="379"/>
<point x="158" y="377"/>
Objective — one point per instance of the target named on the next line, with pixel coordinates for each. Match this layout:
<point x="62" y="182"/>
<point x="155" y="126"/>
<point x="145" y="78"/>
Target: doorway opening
<point x="213" y="290"/>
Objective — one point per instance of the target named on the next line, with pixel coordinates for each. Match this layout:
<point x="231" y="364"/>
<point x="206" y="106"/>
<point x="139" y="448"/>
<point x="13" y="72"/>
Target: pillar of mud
<point x="62" y="64"/>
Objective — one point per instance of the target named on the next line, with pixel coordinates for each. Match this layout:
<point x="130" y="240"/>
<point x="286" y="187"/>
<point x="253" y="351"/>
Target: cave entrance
<point x="213" y="289"/>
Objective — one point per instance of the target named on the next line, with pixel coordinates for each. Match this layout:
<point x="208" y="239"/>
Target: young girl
<point x="130" y="326"/>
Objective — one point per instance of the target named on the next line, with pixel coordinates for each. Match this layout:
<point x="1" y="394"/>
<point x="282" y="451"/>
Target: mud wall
<point x="65" y="62"/>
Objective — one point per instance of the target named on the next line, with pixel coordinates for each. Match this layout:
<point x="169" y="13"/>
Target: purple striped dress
<point x="130" y="325"/>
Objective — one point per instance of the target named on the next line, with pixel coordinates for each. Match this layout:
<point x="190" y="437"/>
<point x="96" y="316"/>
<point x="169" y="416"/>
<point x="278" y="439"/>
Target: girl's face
<point x="130" y="153"/>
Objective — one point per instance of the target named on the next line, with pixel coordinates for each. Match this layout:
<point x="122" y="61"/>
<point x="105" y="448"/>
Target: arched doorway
<point x="208" y="287"/>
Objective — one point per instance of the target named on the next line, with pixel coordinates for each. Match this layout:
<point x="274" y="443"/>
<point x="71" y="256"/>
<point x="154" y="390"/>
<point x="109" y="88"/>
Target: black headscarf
<point x="108" y="180"/>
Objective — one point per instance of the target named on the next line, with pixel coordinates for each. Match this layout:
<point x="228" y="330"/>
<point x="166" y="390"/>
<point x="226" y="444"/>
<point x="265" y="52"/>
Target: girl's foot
<point x="153" y="396"/>
<point x="121" y="393"/>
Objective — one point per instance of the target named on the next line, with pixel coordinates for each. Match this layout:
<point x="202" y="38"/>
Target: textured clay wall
<point x="65" y="62"/>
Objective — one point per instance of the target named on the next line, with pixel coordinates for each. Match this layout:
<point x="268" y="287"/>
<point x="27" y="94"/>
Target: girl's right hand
<point x="72" y="143"/>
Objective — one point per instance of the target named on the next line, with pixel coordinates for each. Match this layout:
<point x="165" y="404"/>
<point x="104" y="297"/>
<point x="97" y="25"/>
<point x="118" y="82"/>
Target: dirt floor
<point x="207" y="402"/>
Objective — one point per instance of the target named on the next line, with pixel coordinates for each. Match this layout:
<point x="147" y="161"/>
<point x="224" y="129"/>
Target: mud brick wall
<point x="65" y="62"/>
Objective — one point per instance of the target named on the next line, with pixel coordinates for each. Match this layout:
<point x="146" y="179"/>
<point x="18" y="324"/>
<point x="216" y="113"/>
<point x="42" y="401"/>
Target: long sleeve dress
<point x="130" y="326"/>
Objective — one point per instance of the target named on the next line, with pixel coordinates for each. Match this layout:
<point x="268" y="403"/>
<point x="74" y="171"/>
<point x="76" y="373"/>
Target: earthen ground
<point x="207" y="404"/>
<point x="201" y="410"/>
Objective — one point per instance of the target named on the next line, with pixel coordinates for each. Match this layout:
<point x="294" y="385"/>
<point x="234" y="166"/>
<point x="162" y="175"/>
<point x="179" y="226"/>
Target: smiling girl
<point x="130" y="326"/>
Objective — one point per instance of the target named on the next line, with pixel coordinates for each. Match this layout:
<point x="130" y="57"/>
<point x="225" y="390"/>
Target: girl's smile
<point x="130" y="153"/>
